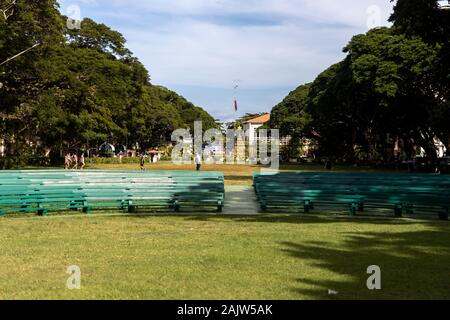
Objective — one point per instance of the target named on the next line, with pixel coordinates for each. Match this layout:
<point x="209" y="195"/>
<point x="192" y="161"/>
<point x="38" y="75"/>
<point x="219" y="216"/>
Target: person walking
<point x="142" y="160"/>
<point x="82" y="161"/>
<point x="75" y="161"/>
<point x="68" y="160"/>
<point x="198" y="161"/>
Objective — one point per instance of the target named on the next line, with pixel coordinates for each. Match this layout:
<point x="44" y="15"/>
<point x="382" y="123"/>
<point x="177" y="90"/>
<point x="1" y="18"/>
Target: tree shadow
<point x="212" y="216"/>
<point x="233" y="178"/>
<point x="414" y="264"/>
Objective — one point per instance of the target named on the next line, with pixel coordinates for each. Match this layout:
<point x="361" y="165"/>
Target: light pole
<point x="235" y="88"/>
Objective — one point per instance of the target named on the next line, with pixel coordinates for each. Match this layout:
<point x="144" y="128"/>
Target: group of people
<point x="72" y="161"/>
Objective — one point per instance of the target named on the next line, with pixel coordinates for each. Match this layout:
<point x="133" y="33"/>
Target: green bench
<point x="358" y="192"/>
<point x="55" y="190"/>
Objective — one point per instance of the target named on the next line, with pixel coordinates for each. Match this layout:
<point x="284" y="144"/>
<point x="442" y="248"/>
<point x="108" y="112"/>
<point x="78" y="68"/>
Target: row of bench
<point x="45" y="191"/>
<point x="401" y="193"/>
<point x="49" y="190"/>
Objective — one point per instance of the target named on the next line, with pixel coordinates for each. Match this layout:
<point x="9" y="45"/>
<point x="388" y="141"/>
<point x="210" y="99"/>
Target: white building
<point x="251" y="127"/>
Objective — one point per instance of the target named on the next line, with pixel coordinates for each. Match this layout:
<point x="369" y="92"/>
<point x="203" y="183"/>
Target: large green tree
<point x="80" y="87"/>
<point x="425" y="19"/>
<point x="28" y="24"/>
<point x="393" y="87"/>
<point x="292" y="119"/>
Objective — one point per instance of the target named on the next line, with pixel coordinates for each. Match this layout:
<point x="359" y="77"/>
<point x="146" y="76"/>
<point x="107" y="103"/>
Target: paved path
<point x="240" y="200"/>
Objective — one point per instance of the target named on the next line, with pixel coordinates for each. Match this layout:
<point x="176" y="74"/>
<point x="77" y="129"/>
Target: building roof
<point x="260" y="120"/>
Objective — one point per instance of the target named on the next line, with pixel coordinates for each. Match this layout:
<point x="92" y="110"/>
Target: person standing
<point x="75" y="161"/>
<point x="82" y="161"/>
<point x="68" y="160"/>
<point x="198" y="161"/>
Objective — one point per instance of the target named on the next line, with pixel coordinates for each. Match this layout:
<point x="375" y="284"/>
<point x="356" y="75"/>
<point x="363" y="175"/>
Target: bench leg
<point x="307" y="206"/>
<point x="73" y="206"/>
<point x="444" y="215"/>
<point x="86" y="209"/>
<point x="398" y="211"/>
<point x="220" y="206"/>
<point x="41" y="211"/>
<point x="409" y="208"/>
<point x="263" y="206"/>
<point x="175" y="206"/>
<point x="360" y="207"/>
<point x="353" y="209"/>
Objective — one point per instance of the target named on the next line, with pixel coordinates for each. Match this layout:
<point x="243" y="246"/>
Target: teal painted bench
<point x="401" y="193"/>
<point x="45" y="191"/>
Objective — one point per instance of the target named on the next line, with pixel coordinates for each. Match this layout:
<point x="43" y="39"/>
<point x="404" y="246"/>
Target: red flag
<point x="235" y="105"/>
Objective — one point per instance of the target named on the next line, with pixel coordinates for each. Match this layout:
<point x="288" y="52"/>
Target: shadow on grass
<point x="414" y="264"/>
<point x="281" y="218"/>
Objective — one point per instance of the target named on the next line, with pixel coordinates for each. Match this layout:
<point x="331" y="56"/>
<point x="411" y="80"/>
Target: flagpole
<point x="236" y="86"/>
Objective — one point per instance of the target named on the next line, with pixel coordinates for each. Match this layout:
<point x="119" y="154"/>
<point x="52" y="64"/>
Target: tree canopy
<point x="392" y="89"/>
<point x="80" y="87"/>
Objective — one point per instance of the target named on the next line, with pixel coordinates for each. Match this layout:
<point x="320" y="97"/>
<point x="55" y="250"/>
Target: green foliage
<point x="98" y="37"/>
<point x="421" y="18"/>
<point x="80" y="88"/>
<point x="292" y="119"/>
<point x="290" y="115"/>
<point x="393" y="86"/>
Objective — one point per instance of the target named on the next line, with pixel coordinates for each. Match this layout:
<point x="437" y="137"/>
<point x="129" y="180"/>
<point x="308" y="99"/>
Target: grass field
<point x="218" y="257"/>
<point x="201" y="256"/>
<point x="234" y="174"/>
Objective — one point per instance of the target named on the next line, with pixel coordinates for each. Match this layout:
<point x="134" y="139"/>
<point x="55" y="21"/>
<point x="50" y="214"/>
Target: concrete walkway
<point x="240" y="200"/>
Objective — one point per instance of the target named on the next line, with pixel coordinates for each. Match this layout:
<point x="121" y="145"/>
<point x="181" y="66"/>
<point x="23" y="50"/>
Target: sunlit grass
<point x="218" y="257"/>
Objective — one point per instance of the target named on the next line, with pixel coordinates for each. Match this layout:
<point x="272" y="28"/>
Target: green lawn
<point x="222" y="257"/>
<point x="234" y="174"/>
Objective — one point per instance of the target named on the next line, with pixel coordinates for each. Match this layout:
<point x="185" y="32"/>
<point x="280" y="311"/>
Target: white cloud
<point x="211" y="43"/>
<point x="211" y="55"/>
<point x="352" y="12"/>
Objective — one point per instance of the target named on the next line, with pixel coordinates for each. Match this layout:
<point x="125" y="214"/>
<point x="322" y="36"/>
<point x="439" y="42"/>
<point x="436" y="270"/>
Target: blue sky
<point x="201" y="48"/>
